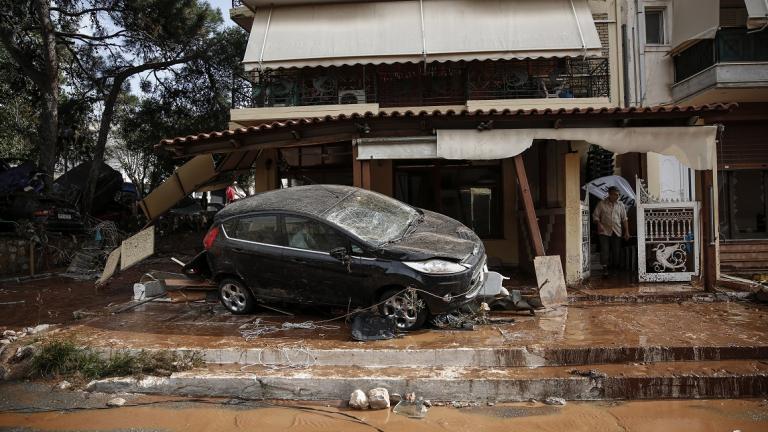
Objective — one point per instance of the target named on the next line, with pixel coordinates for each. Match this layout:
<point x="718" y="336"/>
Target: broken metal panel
<point x="668" y="244"/>
<point x="185" y="180"/>
<point x="550" y="280"/>
<point x="113" y="261"/>
<point x="138" y="247"/>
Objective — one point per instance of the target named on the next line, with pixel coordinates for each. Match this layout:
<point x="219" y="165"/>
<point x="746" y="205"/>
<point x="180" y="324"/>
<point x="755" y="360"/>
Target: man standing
<point x="611" y="218"/>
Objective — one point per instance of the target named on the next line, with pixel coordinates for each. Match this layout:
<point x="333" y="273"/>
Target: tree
<point x="189" y="99"/>
<point x="27" y="34"/>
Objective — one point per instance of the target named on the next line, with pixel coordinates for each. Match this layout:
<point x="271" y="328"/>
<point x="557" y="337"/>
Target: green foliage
<point x="64" y="358"/>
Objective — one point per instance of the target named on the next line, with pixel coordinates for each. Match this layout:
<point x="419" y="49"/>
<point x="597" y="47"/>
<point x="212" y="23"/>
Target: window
<point x="654" y="27"/>
<point x="262" y="229"/>
<point x="469" y="192"/>
<point x="308" y="234"/>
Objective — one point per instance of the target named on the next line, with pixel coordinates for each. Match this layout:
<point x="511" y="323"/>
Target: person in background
<point x="611" y="218"/>
<point x="234" y="193"/>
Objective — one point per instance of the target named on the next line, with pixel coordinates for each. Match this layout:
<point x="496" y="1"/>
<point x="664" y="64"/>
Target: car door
<point x="255" y="245"/>
<point x="317" y="276"/>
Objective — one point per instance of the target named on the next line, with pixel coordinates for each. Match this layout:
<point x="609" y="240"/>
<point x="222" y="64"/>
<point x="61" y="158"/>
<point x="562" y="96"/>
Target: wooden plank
<point x="365" y="173"/>
<point x="187" y="283"/>
<point x="357" y="172"/>
<point x="529" y="210"/>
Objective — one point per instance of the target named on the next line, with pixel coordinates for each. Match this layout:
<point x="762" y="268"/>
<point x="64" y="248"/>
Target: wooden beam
<point x="530" y="211"/>
<point x="357" y="172"/>
<point x="709" y="243"/>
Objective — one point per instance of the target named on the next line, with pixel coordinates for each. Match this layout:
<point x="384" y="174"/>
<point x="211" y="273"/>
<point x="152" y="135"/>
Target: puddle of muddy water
<point x="704" y="416"/>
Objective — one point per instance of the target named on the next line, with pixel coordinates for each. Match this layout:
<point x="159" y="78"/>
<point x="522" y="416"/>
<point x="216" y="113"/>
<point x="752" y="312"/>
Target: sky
<point x="223" y="6"/>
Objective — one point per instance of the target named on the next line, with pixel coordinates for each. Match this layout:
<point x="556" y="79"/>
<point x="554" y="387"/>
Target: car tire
<point x="236" y="297"/>
<point x="407" y="307"/>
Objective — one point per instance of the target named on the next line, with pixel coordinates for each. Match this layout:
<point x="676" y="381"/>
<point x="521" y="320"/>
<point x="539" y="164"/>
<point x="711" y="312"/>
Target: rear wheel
<point x="236" y="297"/>
<point x="405" y="306"/>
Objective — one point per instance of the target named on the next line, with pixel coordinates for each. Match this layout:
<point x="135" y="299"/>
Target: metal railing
<point x="412" y="85"/>
<point x="729" y="45"/>
<point x="237" y="3"/>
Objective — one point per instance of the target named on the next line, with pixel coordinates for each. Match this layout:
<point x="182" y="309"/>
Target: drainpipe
<point x="625" y="61"/>
<point x="640" y="47"/>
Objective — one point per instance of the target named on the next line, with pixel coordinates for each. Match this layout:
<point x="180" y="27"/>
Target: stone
<point x="39" y="329"/>
<point x="9" y="333"/>
<point x="490" y="404"/>
<point x="5" y="341"/>
<point x="358" y="400"/>
<point x="25" y="352"/>
<point x="554" y="401"/>
<point x="64" y="385"/>
<point x="378" y="398"/>
<point x="427" y="403"/>
<point x="394" y="398"/>
<point x="410" y="397"/>
<point x="116" y="402"/>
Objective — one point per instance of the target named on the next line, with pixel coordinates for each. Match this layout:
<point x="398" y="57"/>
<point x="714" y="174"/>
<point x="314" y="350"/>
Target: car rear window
<point x="261" y="229"/>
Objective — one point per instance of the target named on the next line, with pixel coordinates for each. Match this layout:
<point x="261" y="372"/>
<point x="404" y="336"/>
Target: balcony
<point x="543" y="82"/>
<point x="732" y="67"/>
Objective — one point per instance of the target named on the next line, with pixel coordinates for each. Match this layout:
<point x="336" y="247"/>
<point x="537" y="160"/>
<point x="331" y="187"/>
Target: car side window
<point x="303" y="233"/>
<point x="262" y="229"/>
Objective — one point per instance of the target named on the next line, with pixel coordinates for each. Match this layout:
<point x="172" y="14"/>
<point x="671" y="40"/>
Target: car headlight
<point x="436" y="266"/>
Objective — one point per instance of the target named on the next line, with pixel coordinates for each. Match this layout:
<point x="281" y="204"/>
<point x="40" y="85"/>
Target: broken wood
<point x="530" y="211"/>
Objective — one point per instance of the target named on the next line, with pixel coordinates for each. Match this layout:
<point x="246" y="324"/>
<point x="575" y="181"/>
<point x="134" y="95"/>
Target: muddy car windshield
<point x="372" y="217"/>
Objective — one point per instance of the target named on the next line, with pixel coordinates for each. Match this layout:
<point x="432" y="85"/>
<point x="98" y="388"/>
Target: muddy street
<point x="36" y="407"/>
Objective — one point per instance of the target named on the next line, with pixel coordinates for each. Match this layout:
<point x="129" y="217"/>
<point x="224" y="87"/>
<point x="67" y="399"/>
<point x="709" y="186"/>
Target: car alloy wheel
<point x="235" y="297"/>
<point x="406" y="307"/>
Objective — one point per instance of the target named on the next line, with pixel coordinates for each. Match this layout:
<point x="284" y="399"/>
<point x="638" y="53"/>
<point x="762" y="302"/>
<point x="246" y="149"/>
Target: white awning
<point x="693" y="20"/>
<point x="694" y="146"/>
<point x="398" y="32"/>
<point x="757" y="13"/>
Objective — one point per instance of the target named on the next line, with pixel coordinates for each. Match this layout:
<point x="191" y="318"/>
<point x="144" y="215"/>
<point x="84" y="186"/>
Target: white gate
<point x="667" y="238"/>
<point x="586" y="253"/>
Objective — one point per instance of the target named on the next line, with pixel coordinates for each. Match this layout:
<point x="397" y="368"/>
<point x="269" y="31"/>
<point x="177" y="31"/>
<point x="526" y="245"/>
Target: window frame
<point x="663" y="33"/>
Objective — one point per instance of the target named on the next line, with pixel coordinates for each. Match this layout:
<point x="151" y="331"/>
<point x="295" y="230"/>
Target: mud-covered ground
<point x="52" y="300"/>
<point x="26" y="407"/>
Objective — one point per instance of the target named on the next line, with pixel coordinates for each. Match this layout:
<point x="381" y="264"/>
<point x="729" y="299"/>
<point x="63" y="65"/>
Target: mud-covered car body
<point x="342" y="246"/>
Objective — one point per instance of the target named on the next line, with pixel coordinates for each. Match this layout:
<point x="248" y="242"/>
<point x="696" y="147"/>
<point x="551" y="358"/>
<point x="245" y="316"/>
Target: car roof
<point x="310" y="199"/>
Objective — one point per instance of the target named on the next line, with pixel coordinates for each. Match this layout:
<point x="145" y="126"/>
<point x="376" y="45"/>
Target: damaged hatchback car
<point x="341" y="246"/>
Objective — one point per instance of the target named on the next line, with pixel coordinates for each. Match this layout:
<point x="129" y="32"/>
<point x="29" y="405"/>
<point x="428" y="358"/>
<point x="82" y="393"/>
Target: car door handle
<point x="239" y="250"/>
<point x="299" y="260"/>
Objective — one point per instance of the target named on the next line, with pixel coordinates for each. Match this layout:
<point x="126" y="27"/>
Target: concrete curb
<point x="465" y="357"/>
<point x="446" y="385"/>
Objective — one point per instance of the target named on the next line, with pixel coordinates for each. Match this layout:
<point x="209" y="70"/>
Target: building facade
<point x="689" y="52"/>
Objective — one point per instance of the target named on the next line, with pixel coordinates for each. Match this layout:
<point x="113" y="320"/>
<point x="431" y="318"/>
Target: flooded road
<point x="652" y="416"/>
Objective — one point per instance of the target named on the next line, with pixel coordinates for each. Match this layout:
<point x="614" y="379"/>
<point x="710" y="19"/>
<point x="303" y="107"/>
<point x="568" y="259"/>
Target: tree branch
<point x="89" y="37"/>
<point x="82" y="12"/>
<point x="24" y="61"/>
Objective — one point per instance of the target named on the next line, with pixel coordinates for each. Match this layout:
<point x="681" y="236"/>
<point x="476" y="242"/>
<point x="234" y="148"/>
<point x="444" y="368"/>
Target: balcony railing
<point x="416" y="85"/>
<point x="237" y="3"/>
<point x="729" y="45"/>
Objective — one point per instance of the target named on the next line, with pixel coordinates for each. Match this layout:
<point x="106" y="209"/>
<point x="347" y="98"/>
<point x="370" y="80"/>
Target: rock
<point x="39" y="329"/>
<point x="427" y="403"/>
<point x="410" y="397"/>
<point x="378" y="398"/>
<point x="116" y="402"/>
<point x="395" y="398"/>
<point x="491" y="404"/>
<point x="9" y="333"/>
<point x="554" y="401"/>
<point x="25" y="352"/>
<point x="358" y="400"/>
<point x="5" y="341"/>
<point x="64" y="385"/>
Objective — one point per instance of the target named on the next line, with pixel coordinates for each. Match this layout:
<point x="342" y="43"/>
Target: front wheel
<point x="236" y="297"/>
<point x="406" y="307"/>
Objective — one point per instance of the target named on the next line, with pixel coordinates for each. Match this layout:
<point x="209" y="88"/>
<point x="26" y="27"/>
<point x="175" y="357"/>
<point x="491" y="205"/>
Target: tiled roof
<point x="630" y="111"/>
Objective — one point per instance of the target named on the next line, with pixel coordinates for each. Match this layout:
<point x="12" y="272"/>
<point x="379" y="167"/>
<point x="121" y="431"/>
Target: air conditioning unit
<point x="351" y="97"/>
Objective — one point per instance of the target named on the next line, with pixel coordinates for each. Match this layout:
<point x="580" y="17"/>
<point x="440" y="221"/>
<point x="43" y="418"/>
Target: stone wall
<point x="14" y="256"/>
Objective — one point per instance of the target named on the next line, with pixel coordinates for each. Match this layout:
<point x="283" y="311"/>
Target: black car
<point x="341" y="246"/>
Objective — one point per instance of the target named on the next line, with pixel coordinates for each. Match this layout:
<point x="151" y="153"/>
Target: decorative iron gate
<point x="667" y="238"/>
<point x="586" y="252"/>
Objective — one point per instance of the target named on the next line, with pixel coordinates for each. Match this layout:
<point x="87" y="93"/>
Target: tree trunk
<point x="49" y="118"/>
<point x="101" y="144"/>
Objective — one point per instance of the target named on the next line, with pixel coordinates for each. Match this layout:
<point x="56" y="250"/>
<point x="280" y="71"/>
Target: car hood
<point x="438" y="236"/>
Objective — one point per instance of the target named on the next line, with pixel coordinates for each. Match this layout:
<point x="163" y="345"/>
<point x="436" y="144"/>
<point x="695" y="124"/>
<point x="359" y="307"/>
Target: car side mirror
<point x="340" y="253"/>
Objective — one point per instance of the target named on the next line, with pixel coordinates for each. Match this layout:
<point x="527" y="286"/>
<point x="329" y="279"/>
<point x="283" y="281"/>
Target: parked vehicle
<point x="341" y="246"/>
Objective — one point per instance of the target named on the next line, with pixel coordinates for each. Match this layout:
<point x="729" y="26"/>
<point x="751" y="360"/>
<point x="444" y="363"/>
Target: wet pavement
<point x="36" y="407"/>
<point x="203" y="326"/>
